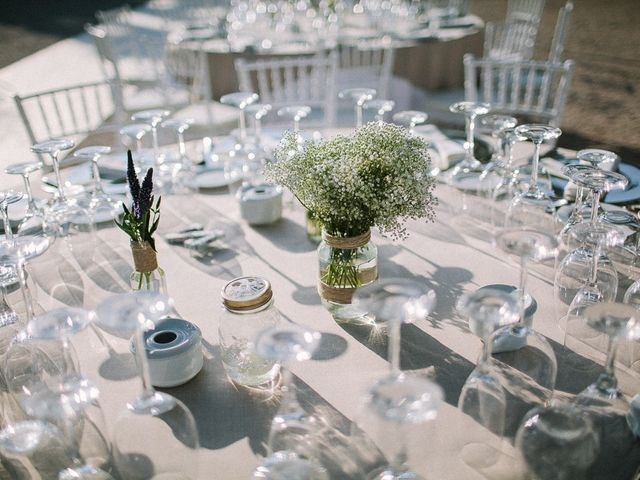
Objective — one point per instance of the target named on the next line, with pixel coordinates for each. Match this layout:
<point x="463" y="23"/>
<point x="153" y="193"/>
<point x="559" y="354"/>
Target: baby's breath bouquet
<point x="376" y="177"/>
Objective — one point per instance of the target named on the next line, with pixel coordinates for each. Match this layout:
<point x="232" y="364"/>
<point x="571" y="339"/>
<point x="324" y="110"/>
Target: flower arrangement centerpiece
<point x="140" y="222"/>
<point x="376" y="177"/>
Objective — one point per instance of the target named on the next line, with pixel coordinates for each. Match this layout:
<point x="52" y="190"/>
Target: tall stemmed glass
<point x="295" y="113"/>
<point x="68" y="400"/>
<point x="597" y="158"/>
<point x="380" y="106"/>
<point x="153" y="118"/>
<point x="399" y="398"/>
<point x="359" y="96"/>
<point x="525" y="362"/>
<point x="496" y="167"/>
<point x="33" y="221"/>
<point x="258" y="111"/>
<point x="537" y="134"/>
<point x="180" y="169"/>
<point x="482" y="396"/>
<point x="8" y="316"/>
<point x="240" y="100"/>
<point x="557" y="442"/>
<point x="292" y="428"/>
<point x="470" y="110"/>
<point x="507" y="188"/>
<point x="8" y="198"/>
<point x="135" y="131"/>
<point x="410" y="118"/>
<point x="53" y="148"/>
<point x="101" y="206"/>
<point x="155" y="425"/>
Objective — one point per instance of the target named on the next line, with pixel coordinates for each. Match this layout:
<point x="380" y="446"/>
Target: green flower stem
<point x="340" y="271"/>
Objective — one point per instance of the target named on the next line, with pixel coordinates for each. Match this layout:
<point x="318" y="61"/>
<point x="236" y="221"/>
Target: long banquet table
<point x="451" y="255"/>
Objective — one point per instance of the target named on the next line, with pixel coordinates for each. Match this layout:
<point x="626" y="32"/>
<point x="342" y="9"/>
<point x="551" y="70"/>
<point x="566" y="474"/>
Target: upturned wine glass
<point x="482" y="396"/>
<point x="508" y="185"/>
<point x="135" y="132"/>
<point x="258" y="111"/>
<point x="153" y="118"/>
<point x="496" y="168"/>
<point x="179" y="171"/>
<point x="240" y="100"/>
<point x="410" y="118"/>
<point x="380" y="107"/>
<point x="557" y="442"/>
<point x="537" y="134"/>
<point x="597" y="158"/>
<point x="101" y="206"/>
<point x="470" y="165"/>
<point x="156" y="434"/>
<point x="523" y="359"/>
<point x="292" y="428"/>
<point x="34" y="221"/>
<point x="53" y="148"/>
<point x="359" y="96"/>
<point x="295" y="113"/>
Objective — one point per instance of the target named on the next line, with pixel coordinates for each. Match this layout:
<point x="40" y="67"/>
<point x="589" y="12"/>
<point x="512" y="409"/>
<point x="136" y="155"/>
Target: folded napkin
<point x="444" y="152"/>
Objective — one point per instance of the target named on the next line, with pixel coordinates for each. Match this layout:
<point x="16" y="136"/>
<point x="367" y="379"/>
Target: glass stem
<point x="143" y="364"/>
<point x="394" y="346"/>
<point x="471" y="126"/>
<point x="608" y="380"/>
<point x="26" y="294"/>
<point x="398" y="462"/>
<point x="156" y="146"/>
<point x="593" y="273"/>
<point x="533" y="188"/>
<point x="595" y="206"/>
<point x="296" y="125"/>
<point x="243" y="126"/>
<point x="8" y="233"/>
<point x="97" y="181"/>
<point x="485" y="355"/>
<point x="182" y="148"/>
<point x="523" y="283"/>
<point x="56" y="169"/>
<point x="576" y="214"/>
<point x="358" y="115"/>
<point x="289" y="401"/>
<point x="258" y="129"/>
<point x="66" y="355"/>
<point x="31" y="204"/>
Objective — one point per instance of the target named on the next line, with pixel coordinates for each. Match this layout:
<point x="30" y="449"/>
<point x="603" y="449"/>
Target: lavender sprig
<point x="132" y="178"/>
<point x="145" y="199"/>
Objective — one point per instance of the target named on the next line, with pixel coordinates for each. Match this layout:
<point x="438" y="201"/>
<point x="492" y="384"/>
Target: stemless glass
<point x="33" y="222"/>
<point x="292" y="428"/>
<point x="359" y="96"/>
<point x="101" y="206"/>
<point x="482" y="396"/>
<point x="557" y="442"/>
<point x="156" y="435"/>
<point x="410" y="118"/>
<point x="523" y="359"/>
<point x="380" y="106"/>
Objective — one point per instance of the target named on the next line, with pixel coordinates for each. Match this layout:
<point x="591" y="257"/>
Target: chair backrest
<point x="366" y="64"/>
<point x="68" y="111"/>
<point x="526" y="88"/>
<point x="293" y="80"/>
<point x="561" y="32"/>
<point x="527" y="11"/>
<point x="509" y="41"/>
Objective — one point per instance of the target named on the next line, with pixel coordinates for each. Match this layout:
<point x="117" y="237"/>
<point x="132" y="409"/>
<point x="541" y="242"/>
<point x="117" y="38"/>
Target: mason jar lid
<point x="246" y="293"/>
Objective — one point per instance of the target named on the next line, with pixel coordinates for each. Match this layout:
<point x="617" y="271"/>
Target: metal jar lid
<point x="246" y="293"/>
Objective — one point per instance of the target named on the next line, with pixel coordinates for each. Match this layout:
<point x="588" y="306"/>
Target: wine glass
<point x="101" y="206"/>
<point x="135" y="131"/>
<point x="292" y="428"/>
<point x="53" y="148"/>
<point x="508" y="185"/>
<point x="496" y="168"/>
<point x="537" y="134"/>
<point x="359" y="96"/>
<point x="410" y="118"/>
<point x="153" y="118"/>
<point x="470" y="165"/>
<point x="179" y="170"/>
<point x="8" y="198"/>
<point x="295" y="113"/>
<point x="288" y="465"/>
<point x="172" y="448"/>
<point x="240" y="100"/>
<point x="380" y="106"/>
<point x="34" y="221"/>
<point x="557" y="442"/>
<point x="8" y="317"/>
<point x="482" y="397"/>
<point x="523" y="359"/>
<point x="258" y="111"/>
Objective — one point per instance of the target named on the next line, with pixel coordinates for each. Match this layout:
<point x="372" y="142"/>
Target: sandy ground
<point x="603" y="109"/>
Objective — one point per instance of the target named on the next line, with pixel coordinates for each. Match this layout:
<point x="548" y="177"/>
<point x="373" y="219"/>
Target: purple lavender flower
<point x="145" y="193"/>
<point x="132" y="178"/>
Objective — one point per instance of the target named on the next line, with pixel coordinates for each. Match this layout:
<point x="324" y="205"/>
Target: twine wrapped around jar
<point x="145" y="259"/>
<point x="344" y="295"/>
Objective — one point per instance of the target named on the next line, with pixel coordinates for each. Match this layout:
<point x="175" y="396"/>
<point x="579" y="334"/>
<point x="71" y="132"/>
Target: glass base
<point x="155" y="404"/>
<point x="347" y="313"/>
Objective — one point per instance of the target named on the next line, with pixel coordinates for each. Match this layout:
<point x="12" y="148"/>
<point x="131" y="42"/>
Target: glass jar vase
<point x="248" y="309"/>
<point x="345" y="263"/>
<point x="147" y="275"/>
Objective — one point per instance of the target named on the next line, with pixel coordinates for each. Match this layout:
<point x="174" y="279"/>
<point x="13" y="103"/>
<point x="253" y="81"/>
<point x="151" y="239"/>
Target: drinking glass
<point x="537" y="134"/>
<point x="469" y="167"/>
<point x="359" y="96"/>
<point x="523" y="359"/>
<point x="179" y="170"/>
<point x="101" y="206"/>
<point x="482" y="396"/>
<point x="153" y="118"/>
<point x="7" y="198"/>
<point x="380" y="106"/>
<point x="34" y="221"/>
<point x="557" y="442"/>
<point x="53" y="148"/>
<point x="287" y="465"/>
<point x="410" y="118"/>
<point x="240" y="100"/>
<point x="295" y="113"/>
<point x="495" y="169"/>
<point x="8" y="316"/>
<point x="508" y="184"/>
<point x="156" y="435"/>
<point x="292" y="428"/>
<point x="258" y="111"/>
<point x="135" y="131"/>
